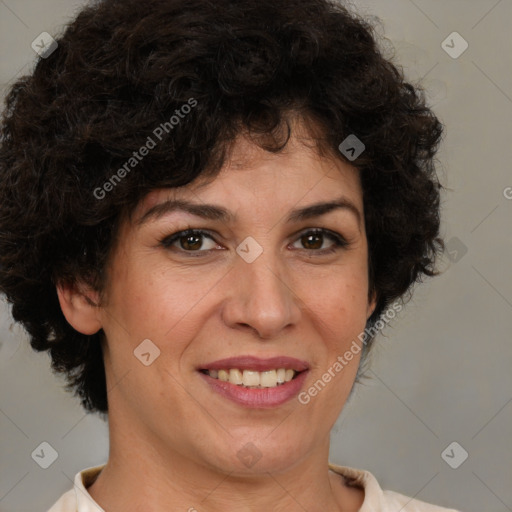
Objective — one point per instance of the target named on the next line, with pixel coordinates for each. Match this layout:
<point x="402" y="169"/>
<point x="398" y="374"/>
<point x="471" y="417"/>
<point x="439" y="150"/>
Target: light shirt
<point x="375" y="499"/>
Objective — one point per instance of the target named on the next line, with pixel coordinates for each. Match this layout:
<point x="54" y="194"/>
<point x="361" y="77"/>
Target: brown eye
<point x="189" y="241"/>
<point x="313" y="240"/>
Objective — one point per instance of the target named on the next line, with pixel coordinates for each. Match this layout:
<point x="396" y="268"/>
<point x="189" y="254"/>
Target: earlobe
<point x="372" y="304"/>
<point x="80" y="307"/>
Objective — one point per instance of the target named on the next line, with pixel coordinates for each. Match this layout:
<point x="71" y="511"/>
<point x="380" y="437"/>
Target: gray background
<point x="442" y="371"/>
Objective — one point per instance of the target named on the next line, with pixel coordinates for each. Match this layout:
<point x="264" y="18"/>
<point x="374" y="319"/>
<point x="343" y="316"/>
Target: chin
<point x="264" y="453"/>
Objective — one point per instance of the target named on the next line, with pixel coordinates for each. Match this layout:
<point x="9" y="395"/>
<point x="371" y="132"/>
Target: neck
<point x="144" y="475"/>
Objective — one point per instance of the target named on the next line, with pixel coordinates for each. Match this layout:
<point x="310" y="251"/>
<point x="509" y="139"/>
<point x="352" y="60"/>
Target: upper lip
<point x="257" y="364"/>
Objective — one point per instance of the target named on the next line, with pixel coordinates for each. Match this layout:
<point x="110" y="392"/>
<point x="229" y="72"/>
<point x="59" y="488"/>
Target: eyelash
<point x="339" y="241"/>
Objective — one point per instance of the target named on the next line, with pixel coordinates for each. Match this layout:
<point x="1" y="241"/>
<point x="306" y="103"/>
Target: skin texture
<point x="172" y="439"/>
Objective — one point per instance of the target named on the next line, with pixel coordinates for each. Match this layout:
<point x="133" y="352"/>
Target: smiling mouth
<point x="253" y="379"/>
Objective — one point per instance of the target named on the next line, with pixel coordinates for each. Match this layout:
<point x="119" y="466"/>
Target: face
<point x="256" y="284"/>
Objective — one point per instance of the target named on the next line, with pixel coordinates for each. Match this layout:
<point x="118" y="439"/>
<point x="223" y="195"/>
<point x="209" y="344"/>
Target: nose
<point x="261" y="297"/>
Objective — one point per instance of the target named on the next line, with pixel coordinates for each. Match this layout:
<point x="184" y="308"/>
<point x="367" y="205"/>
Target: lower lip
<point x="263" y="398"/>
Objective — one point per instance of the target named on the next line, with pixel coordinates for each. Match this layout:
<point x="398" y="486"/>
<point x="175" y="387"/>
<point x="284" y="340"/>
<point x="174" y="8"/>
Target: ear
<point x="372" y="304"/>
<point x="79" y="305"/>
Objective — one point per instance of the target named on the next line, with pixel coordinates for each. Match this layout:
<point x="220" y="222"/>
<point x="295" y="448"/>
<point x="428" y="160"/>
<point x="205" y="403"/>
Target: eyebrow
<point x="218" y="213"/>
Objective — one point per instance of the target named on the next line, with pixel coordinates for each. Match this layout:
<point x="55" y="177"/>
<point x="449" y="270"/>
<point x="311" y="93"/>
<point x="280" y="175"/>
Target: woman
<point x="206" y="208"/>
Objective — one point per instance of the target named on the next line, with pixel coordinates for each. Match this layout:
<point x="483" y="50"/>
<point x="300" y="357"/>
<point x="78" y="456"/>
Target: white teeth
<point x="235" y="376"/>
<point x="268" y="379"/>
<point x="254" y="379"/>
<point x="250" y="378"/>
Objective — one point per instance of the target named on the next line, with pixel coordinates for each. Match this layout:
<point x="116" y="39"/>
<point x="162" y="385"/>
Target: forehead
<point x="250" y="174"/>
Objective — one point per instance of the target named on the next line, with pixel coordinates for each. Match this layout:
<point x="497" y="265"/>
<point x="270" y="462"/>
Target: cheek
<point x="340" y="302"/>
<point x="157" y="304"/>
<point x="148" y="295"/>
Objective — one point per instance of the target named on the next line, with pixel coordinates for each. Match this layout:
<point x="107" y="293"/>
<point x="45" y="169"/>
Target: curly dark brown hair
<point x="123" y="68"/>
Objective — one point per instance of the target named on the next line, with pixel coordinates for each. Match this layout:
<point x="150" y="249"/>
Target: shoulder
<point x="395" y="501"/>
<point x="66" y="503"/>
<point x="78" y="499"/>
<point x="377" y="499"/>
